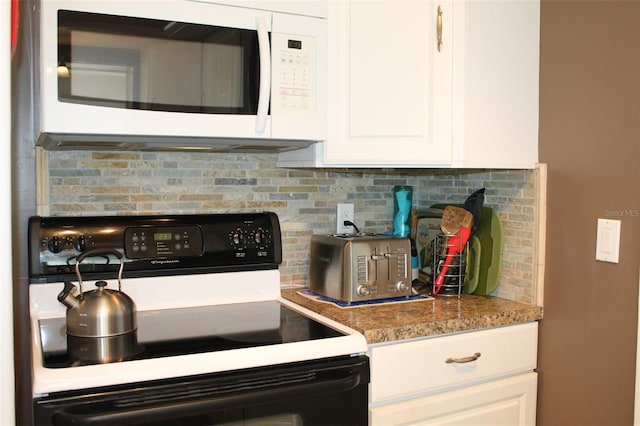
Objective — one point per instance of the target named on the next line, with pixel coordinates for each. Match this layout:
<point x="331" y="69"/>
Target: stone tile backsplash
<point x="114" y="183"/>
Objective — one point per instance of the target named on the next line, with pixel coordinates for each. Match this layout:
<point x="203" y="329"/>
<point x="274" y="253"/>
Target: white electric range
<point x="210" y="317"/>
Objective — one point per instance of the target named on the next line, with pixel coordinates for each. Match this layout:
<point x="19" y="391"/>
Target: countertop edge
<point x="429" y="318"/>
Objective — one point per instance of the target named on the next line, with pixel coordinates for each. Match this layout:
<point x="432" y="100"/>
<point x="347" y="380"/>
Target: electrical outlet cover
<point x="344" y="212"/>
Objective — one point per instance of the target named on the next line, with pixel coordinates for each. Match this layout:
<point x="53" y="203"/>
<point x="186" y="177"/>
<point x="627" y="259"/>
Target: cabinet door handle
<point x="439" y="27"/>
<point x="463" y="360"/>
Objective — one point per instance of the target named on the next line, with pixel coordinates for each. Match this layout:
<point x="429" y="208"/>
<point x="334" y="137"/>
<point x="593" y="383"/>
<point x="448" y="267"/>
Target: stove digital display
<point x="162" y="236"/>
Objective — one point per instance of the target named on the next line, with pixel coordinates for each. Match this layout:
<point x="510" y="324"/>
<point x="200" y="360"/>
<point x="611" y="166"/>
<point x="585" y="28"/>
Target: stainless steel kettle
<point x="101" y="323"/>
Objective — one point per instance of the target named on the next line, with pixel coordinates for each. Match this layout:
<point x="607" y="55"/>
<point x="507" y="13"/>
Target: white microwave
<point x="181" y="74"/>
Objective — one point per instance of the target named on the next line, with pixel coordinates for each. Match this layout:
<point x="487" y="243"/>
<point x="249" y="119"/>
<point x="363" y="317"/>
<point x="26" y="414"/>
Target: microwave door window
<point x="223" y="84"/>
<point x="102" y="75"/>
<point x="133" y="63"/>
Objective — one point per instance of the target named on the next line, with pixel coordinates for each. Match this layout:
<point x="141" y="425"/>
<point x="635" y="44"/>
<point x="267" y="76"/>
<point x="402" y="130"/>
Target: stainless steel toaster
<point x="360" y="267"/>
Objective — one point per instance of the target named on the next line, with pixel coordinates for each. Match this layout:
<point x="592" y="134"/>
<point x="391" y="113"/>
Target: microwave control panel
<point x="293" y="73"/>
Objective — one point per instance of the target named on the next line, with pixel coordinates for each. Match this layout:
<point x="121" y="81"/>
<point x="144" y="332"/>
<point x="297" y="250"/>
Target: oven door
<point x="320" y="392"/>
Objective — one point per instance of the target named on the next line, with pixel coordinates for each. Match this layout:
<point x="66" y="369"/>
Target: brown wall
<point x="590" y="139"/>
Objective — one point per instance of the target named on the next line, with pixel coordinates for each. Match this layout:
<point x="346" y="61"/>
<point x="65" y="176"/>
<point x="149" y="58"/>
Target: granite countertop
<point x="422" y="318"/>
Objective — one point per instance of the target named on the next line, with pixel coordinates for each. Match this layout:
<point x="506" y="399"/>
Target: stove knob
<point x="55" y="245"/>
<point x="402" y="287"/>
<point x="363" y="290"/>
<point x="237" y="239"/>
<point x="258" y="236"/>
<point x="81" y="243"/>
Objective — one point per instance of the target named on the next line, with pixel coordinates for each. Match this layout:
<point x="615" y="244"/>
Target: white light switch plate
<point x="608" y="240"/>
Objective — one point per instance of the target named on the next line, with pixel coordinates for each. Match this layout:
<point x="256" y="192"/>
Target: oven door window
<point x="315" y="393"/>
<point x="148" y="64"/>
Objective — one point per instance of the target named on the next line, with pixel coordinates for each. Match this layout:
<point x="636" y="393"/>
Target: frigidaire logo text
<point x="324" y="259"/>
<point x="164" y="262"/>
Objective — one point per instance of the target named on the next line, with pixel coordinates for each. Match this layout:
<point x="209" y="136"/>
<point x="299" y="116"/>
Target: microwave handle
<point x="265" y="74"/>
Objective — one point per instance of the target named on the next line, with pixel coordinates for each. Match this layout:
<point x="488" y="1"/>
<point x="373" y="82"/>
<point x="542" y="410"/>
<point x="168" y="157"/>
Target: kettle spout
<point x="68" y="295"/>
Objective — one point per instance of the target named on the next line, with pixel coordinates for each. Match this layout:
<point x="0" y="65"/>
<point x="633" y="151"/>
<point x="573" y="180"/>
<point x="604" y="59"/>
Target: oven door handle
<point x="145" y="412"/>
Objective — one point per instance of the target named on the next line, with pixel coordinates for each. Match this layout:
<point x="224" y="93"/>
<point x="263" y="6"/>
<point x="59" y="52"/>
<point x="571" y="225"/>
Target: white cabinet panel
<point x="506" y="402"/>
<point x="496" y="80"/>
<point x="388" y="73"/>
<point x="389" y="69"/>
<point x="389" y="87"/>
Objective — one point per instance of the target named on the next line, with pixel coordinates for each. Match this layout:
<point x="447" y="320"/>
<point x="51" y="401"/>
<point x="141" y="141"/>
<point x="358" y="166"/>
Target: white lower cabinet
<point x="505" y="402"/>
<point x="477" y="378"/>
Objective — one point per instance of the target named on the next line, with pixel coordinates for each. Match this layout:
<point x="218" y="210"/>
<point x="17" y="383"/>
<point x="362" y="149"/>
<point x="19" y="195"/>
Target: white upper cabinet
<point x="391" y="103"/>
<point x="496" y="80"/>
<point x="420" y="83"/>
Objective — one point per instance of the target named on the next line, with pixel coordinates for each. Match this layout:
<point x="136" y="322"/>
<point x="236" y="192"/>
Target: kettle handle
<point x="99" y="252"/>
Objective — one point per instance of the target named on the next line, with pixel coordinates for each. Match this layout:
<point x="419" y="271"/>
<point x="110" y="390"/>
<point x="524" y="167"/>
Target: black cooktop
<point x="182" y="331"/>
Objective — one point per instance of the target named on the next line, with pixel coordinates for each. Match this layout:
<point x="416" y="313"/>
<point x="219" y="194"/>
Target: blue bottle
<point x="402" y="199"/>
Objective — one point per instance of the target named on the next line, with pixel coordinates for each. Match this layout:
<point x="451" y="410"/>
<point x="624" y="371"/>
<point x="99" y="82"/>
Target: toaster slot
<point x="383" y="266"/>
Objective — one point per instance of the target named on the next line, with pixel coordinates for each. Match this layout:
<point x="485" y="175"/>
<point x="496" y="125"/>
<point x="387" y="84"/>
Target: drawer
<point x="408" y="369"/>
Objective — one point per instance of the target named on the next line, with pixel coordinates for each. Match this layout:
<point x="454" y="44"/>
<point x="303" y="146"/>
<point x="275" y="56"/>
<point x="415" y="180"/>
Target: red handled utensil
<point x="455" y="244"/>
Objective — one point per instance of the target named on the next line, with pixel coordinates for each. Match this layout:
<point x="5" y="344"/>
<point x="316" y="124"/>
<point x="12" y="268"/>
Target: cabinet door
<point x="507" y="402"/>
<point x="496" y="80"/>
<point x="389" y="85"/>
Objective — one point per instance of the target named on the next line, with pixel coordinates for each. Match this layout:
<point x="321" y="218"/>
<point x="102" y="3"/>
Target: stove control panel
<point x="155" y="245"/>
<point x="162" y="241"/>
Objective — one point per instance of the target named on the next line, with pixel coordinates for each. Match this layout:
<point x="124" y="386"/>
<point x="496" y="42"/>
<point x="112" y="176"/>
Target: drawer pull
<point x="463" y="360"/>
